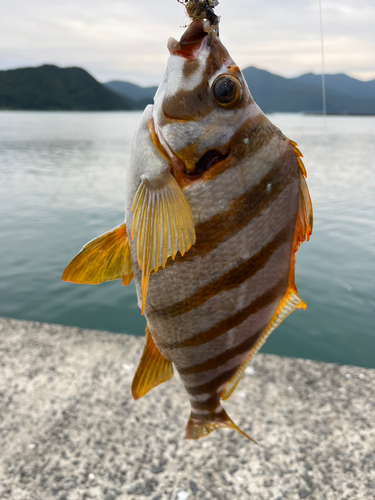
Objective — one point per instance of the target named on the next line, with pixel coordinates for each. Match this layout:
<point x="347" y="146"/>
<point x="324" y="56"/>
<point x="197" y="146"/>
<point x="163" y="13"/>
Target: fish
<point x="216" y="206"/>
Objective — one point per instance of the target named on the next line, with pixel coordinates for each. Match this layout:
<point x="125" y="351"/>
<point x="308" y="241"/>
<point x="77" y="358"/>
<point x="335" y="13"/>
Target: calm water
<point x="62" y="182"/>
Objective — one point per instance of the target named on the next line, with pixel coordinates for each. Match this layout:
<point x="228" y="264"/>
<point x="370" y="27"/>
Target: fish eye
<point x="227" y="90"/>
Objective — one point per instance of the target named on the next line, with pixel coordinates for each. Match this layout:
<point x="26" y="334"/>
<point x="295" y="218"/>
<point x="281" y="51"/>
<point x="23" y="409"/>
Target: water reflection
<point x="62" y="183"/>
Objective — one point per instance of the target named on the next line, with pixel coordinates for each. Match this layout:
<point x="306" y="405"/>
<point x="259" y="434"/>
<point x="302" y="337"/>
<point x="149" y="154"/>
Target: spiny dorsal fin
<point x="299" y="155"/>
<point x="105" y="258"/>
<point x="199" y="427"/>
<point x="290" y="301"/>
<point x="163" y="225"/>
<point x="304" y="222"/>
<point x="153" y="369"/>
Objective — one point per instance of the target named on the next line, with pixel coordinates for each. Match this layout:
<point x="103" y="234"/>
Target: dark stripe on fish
<point x="192" y="104"/>
<point x="223" y="358"/>
<point x="259" y="132"/>
<point x="232" y="279"/>
<point x="208" y="403"/>
<point x="211" y="414"/>
<point x="223" y="326"/>
<point x="242" y="210"/>
<point x="213" y="384"/>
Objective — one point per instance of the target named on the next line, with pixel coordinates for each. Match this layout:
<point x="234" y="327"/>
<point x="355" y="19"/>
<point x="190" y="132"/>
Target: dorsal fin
<point x="304" y="222"/>
<point x="105" y="258"/>
<point x="153" y="369"/>
<point x="290" y="301"/>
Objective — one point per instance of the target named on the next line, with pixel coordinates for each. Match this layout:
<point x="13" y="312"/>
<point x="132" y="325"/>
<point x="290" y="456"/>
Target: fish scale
<point x="259" y="278"/>
<point x="216" y="207"/>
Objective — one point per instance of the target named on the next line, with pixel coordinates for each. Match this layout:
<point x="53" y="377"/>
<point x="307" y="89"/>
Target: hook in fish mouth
<point x="207" y="161"/>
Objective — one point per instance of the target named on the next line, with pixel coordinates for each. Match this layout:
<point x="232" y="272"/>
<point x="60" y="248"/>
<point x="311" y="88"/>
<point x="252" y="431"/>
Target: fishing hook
<point x="209" y="10"/>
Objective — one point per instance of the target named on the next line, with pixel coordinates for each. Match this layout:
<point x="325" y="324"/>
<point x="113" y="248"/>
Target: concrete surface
<point x="69" y="429"/>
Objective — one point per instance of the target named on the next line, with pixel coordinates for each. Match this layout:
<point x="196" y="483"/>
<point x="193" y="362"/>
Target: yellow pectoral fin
<point x="163" y="225"/>
<point x="153" y="369"/>
<point x="127" y="279"/>
<point x="105" y="258"/>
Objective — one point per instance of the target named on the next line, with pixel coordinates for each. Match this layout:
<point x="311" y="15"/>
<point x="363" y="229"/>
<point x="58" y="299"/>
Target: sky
<point x="126" y="39"/>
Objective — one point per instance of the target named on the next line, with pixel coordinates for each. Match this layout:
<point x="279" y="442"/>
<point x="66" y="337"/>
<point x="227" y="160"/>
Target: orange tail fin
<point x="200" y="426"/>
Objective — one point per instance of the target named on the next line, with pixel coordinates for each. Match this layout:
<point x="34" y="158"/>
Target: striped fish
<point x="216" y="207"/>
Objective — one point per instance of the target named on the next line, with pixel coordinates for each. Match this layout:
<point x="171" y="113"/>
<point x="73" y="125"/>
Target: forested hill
<point x="49" y="87"/>
<point x="141" y="96"/>
<point x="274" y="93"/>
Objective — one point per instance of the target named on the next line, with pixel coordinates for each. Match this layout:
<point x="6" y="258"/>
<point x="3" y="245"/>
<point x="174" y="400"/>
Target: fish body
<point x="216" y="207"/>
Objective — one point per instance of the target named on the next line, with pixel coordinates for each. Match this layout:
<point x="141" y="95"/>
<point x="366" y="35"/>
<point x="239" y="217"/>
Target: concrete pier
<point x="70" y="430"/>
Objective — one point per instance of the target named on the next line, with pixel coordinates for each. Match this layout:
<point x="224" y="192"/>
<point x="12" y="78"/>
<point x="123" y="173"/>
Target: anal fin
<point x="153" y="369"/>
<point x="105" y="258"/>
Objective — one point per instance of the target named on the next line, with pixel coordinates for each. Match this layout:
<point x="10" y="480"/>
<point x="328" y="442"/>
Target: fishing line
<point x="356" y="294"/>
<point x="323" y="65"/>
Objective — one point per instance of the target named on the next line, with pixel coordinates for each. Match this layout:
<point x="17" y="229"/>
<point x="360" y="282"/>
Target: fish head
<point x="202" y="101"/>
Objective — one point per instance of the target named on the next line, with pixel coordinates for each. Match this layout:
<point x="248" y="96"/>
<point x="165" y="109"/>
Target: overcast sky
<point x="126" y="39"/>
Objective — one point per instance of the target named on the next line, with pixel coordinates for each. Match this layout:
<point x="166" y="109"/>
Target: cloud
<point x="127" y="39"/>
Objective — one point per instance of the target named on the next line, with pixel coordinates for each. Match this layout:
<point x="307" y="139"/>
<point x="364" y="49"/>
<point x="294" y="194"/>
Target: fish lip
<point x="167" y="117"/>
<point x="194" y="33"/>
<point x="190" y="43"/>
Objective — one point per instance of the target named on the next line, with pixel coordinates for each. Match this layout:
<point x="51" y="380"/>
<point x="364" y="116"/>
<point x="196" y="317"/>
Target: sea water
<point x="62" y="177"/>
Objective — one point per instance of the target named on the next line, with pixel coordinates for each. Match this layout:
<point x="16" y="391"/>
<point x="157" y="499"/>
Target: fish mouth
<point x="194" y="33"/>
<point x="206" y="162"/>
<point x="190" y="42"/>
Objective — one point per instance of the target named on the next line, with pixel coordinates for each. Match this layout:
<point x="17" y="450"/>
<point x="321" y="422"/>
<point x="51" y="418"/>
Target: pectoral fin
<point x="105" y="258"/>
<point x="153" y="369"/>
<point x="163" y="225"/>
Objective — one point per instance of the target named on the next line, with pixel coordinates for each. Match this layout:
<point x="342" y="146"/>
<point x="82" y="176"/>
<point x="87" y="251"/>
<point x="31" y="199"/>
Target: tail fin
<point x="200" y="426"/>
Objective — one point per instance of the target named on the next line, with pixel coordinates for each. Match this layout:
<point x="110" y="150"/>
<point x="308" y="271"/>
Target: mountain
<point x="140" y="95"/>
<point x="274" y="93"/>
<point x="341" y="83"/>
<point x="49" y="87"/>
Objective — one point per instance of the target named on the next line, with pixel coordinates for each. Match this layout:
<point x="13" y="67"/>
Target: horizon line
<point x="157" y="84"/>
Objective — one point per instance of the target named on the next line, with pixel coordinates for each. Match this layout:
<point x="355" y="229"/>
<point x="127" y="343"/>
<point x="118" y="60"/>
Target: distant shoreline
<point x="305" y="113"/>
<point x="52" y="88"/>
